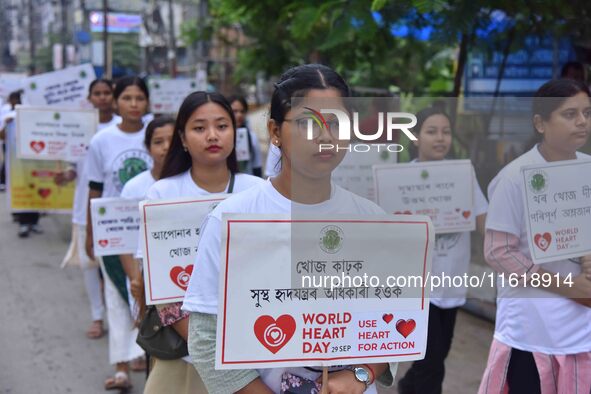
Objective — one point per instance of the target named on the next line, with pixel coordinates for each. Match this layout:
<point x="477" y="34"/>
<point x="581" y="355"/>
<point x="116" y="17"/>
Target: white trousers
<point x="122" y="333"/>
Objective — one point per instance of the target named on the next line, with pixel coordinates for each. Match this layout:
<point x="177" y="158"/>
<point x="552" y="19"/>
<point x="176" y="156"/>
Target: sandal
<point x="138" y="364"/>
<point x="95" y="331"/>
<point x="120" y="381"/>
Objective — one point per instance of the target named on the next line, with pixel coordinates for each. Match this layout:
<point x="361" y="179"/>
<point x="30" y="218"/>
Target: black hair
<point x="177" y="160"/>
<point x="577" y="66"/>
<point x="124" y="82"/>
<point x="241" y="99"/>
<point x="422" y="116"/>
<point x="549" y="97"/>
<point x="297" y="81"/>
<point x="153" y="125"/>
<point x="15" y="96"/>
<point x="106" y="81"/>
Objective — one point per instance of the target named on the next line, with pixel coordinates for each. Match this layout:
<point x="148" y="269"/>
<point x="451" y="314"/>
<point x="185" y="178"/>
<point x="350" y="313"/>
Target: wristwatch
<point x="361" y="374"/>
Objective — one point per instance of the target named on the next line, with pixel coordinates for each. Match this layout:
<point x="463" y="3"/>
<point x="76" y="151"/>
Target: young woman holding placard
<point x="304" y="182"/>
<point x="542" y="339"/>
<point x="116" y="155"/>
<point x="201" y="161"/>
<point x="100" y="95"/>
<point x="451" y="256"/>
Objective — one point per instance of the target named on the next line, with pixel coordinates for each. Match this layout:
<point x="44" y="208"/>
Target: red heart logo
<point x="466" y="214"/>
<point x="37" y="146"/>
<point x="103" y="242"/>
<point x="405" y="327"/>
<point x="387" y="317"/>
<point x="543" y="241"/>
<point x="274" y="334"/>
<point x="181" y="276"/>
<point x="43" y="192"/>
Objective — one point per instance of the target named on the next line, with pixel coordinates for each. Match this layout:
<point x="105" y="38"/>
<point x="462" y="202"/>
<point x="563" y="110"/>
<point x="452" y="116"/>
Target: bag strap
<point x="231" y="185"/>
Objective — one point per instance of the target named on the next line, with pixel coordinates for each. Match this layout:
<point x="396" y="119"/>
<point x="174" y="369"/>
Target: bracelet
<point x="371" y="373"/>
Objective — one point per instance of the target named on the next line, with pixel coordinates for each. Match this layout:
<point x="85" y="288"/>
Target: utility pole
<point x="32" y="48"/>
<point x="201" y="73"/>
<point x="106" y="62"/>
<point x="171" y="42"/>
<point x="64" y="32"/>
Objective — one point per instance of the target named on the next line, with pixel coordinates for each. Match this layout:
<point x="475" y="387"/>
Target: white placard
<point x="242" y="145"/>
<point x="10" y="82"/>
<point x="270" y="316"/>
<point x="115" y="225"/>
<point x="442" y="190"/>
<point x="355" y="171"/>
<point x="52" y="133"/>
<point x="66" y="88"/>
<point x="557" y="202"/>
<point x="170" y="232"/>
<point x="167" y="95"/>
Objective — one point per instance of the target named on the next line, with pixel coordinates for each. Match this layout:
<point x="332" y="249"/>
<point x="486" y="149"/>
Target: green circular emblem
<point x="131" y="167"/>
<point x="82" y="74"/>
<point x="384" y="155"/>
<point x="102" y="210"/>
<point x="424" y="174"/>
<point x="538" y="182"/>
<point x="156" y="85"/>
<point x="33" y="86"/>
<point x="193" y="85"/>
<point x="56" y="116"/>
<point x="331" y="239"/>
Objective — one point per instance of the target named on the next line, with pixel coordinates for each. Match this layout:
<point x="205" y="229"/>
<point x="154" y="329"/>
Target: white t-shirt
<point x="81" y="192"/>
<point x="529" y="319"/>
<point x="255" y="153"/>
<point x="451" y="256"/>
<point x="183" y="185"/>
<point x="138" y="186"/>
<point x="202" y="293"/>
<point x="115" y="157"/>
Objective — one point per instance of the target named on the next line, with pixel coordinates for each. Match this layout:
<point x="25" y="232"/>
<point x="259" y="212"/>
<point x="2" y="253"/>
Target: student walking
<point x="201" y="161"/>
<point x="542" y="339"/>
<point x="116" y="155"/>
<point x="304" y="183"/>
<point x="451" y="256"/>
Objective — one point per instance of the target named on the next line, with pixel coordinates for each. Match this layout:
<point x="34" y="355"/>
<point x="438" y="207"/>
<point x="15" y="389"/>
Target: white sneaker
<point x="35" y="229"/>
<point x="23" y="230"/>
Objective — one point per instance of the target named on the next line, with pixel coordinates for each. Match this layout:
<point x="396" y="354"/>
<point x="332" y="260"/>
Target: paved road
<point x="43" y="348"/>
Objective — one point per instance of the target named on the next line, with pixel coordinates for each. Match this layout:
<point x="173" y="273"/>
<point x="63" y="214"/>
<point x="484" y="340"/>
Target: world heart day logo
<point x="180" y="276"/>
<point x="274" y="333"/>
<point x="543" y="241"/>
<point x="37" y="146"/>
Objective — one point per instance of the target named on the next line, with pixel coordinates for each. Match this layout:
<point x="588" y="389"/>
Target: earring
<point x="276" y="142"/>
<point x="185" y="148"/>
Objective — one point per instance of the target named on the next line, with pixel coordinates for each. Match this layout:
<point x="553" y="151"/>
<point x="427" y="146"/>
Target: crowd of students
<point x="541" y="344"/>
